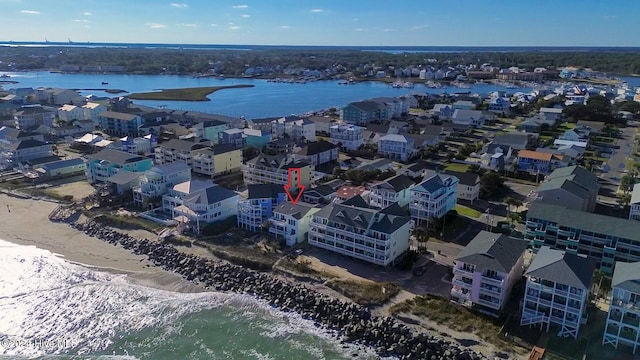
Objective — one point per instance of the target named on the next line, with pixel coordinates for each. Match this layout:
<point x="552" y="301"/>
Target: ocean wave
<point x="51" y="306"/>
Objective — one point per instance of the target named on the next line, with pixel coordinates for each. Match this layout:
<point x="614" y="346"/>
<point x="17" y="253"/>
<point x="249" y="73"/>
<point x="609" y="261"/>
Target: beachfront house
<point x="291" y="221"/>
<point x="157" y="181"/>
<point x="634" y="204"/>
<point x="433" y="198"/>
<point x="486" y="270"/>
<point x="623" y="324"/>
<point x="198" y="202"/>
<point x="396" y="189"/>
<point x="107" y="162"/>
<point x="256" y="204"/>
<point x="557" y="291"/>
<point x="354" y="229"/>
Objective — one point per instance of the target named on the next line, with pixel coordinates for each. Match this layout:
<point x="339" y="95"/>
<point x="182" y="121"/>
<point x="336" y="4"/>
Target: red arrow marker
<point x="289" y="184"/>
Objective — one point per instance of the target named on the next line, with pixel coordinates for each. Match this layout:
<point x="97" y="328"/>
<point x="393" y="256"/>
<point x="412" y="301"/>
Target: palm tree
<point x="511" y="202"/>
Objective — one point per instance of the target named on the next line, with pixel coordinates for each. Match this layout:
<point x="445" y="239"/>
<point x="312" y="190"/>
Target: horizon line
<point x="80" y="43"/>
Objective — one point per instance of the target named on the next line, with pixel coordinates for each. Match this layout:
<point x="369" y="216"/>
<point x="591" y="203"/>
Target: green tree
<point x="490" y="183"/>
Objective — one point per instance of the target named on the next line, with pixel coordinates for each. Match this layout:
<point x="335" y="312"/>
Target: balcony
<point x="493" y="280"/>
<point x="461" y="283"/>
<point x="491" y="290"/>
<point x="489" y="303"/>
<point x="458" y="293"/>
<point x="458" y="270"/>
<point x="626" y="304"/>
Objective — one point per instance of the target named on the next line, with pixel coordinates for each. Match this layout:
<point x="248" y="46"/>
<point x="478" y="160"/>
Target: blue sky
<point x="326" y="22"/>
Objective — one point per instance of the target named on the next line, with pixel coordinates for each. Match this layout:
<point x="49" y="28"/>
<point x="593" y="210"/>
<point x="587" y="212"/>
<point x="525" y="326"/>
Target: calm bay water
<point x="263" y="100"/>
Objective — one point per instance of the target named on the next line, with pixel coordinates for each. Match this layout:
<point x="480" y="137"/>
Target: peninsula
<point x="184" y="94"/>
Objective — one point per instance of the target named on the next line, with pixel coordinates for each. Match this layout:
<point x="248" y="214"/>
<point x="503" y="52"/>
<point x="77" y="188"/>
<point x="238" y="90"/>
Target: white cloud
<point x="156" y="25"/>
<point x="419" y="27"/>
<point x="240" y="6"/>
<point x="234" y="27"/>
<point x="87" y="13"/>
<point x="360" y="29"/>
<point x="245" y="16"/>
<point x="188" y="25"/>
<point x="30" y="12"/>
<point x="80" y="20"/>
<point x="179" y="5"/>
<point x="214" y="24"/>
<point x="317" y="10"/>
<point x="284" y="27"/>
<point x="388" y="30"/>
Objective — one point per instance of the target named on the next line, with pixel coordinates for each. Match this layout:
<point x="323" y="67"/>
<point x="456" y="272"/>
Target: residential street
<point x="616" y="164"/>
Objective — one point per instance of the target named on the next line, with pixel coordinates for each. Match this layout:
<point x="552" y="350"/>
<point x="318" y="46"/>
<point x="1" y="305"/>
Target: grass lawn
<point x="184" y="94"/>
<point x="365" y="293"/>
<point x="467" y="211"/>
<point x="457" y="167"/>
<point x="128" y="222"/>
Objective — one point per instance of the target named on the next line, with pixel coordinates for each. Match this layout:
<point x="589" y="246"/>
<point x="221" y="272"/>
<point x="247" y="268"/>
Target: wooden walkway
<point x="537" y="353"/>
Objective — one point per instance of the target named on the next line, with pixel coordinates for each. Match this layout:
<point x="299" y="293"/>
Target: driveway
<point x="616" y="163"/>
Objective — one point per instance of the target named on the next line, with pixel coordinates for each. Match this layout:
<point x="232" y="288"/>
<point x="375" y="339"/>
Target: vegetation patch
<point x="366" y="293"/>
<point x="458" y="318"/>
<point x="457" y="167"/>
<point x="115" y="91"/>
<point x="467" y="211"/>
<point x="184" y="94"/>
<point x="127" y="222"/>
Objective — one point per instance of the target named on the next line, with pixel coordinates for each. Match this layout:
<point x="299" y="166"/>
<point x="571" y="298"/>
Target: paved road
<point x="611" y="179"/>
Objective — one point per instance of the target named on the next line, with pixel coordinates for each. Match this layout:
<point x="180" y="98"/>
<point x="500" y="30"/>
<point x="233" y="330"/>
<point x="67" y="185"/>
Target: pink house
<point x="486" y="269"/>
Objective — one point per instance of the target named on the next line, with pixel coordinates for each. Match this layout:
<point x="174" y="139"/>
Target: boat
<point x="5" y="76"/>
<point x="407" y="84"/>
<point x="105" y="83"/>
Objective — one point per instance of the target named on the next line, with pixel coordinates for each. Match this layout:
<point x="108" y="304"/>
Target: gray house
<point x="573" y="187"/>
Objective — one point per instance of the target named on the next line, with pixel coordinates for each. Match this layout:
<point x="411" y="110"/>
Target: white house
<point x="473" y="118"/>
<point x="468" y="185"/>
<point x="318" y="153"/>
<point x="396" y="189"/>
<point x="294" y="127"/>
<point x="486" y="270"/>
<point x="396" y="147"/>
<point x="557" y="291"/>
<point x="622" y="325"/>
<point x="634" y="204"/>
<point x="70" y="112"/>
<point x="157" y="181"/>
<point x="200" y="202"/>
<point x="433" y="198"/>
<point x="349" y="137"/>
<point x="354" y="229"/>
<point x="291" y="222"/>
<point x="92" y="110"/>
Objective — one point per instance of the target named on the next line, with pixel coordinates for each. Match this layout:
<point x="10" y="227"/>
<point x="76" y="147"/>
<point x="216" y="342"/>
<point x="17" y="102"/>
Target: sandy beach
<point x="25" y="222"/>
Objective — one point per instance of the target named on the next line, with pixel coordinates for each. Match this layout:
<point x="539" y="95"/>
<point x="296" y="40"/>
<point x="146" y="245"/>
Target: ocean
<point x="50" y="308"/>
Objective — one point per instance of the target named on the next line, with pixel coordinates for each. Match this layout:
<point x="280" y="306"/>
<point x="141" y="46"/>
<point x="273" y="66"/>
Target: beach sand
<point x="26" y="222"/>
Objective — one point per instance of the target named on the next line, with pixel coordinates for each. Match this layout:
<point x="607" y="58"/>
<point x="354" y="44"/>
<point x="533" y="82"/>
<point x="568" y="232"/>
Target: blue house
<point x="257" y="138"/>
<point x="256" y="205"/>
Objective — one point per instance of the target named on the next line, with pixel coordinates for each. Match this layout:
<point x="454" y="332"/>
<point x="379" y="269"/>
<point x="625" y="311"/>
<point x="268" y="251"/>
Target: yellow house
<point x="217" y="160"/>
